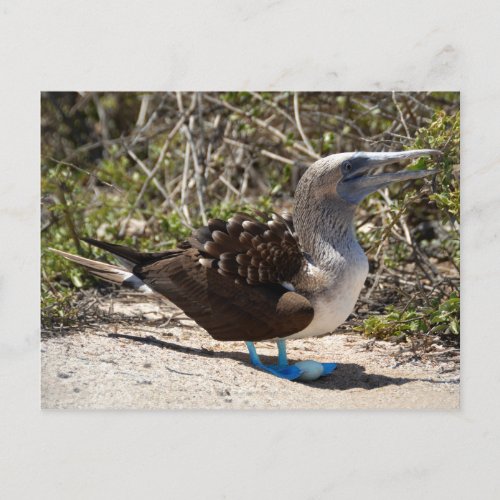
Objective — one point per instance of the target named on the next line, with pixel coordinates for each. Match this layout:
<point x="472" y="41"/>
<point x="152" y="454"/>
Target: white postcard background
<point x="248" y="45"/>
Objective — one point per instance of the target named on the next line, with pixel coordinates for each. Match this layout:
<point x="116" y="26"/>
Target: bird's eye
<point x="347" y="166"/>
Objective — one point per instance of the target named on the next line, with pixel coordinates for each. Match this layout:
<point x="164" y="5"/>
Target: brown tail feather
<point x="120" y="250"/>
<point x="130" y="255"/>
<point x="107" y="272"/>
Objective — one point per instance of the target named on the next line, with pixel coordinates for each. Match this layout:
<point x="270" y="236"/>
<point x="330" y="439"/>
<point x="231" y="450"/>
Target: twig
<point x="215" y="126"/>
<point x="376" y="280"/>
<point x="233" y="142"/>
<point x="90" y="174"/>
<point x="229" y="185"/>
<point x="274" y="156"/>
<point x="198" y="174"/>
<point x="184" y="183"/>
<point x="180" y="105"/>
<point x="101" y="112"/>
<point x="400" y="114"/>
<point x="199" y="110"/>
<point x="299" y="124"/>
<point x="143" y="110"/>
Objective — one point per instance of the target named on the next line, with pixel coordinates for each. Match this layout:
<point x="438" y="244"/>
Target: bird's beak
<point x="356" y="184"/>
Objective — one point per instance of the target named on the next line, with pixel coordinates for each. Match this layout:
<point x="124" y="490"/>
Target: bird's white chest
<point x="332" y="309"/>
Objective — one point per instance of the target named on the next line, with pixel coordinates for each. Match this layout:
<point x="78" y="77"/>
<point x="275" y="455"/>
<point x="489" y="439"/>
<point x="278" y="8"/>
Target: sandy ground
<point x="142" y="362"/>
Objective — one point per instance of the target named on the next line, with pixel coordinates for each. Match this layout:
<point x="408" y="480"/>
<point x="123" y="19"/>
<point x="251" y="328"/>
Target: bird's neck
<point x="325" y="228"/>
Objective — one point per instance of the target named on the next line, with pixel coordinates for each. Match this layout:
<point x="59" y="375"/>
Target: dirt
<point x="152" y="357"/>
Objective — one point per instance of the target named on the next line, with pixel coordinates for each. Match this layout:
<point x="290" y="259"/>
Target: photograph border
<point x="196" y="45"/>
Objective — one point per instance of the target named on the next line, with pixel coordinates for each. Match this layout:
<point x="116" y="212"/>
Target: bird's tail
<point x="108" y="272"/>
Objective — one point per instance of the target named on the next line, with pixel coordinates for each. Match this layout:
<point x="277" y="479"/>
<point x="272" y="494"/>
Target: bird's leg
<point x="254" y="357"/>
<point x="281" y="370"/>
<point x="282" y="359"/>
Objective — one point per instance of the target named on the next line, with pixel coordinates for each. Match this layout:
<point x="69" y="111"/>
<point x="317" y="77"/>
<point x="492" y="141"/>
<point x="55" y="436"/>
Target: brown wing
<point x="227" y="309"/>
<point x="253" y="251"/>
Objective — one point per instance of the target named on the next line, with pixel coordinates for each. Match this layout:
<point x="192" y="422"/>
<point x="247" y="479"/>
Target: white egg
<point x="311" y="370"/>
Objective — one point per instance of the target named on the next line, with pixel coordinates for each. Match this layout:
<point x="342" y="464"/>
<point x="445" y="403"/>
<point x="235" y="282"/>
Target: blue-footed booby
<point x="253" y="278"/>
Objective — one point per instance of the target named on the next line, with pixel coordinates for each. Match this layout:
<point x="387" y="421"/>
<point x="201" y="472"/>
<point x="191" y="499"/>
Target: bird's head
<point x="351" y="177"/>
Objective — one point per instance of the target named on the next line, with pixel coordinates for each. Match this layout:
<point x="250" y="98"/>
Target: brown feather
<point x="225" y="241"/>
<point x="217" y="225"/>
<point x="246" y="239"/>
<point x="254" y="228"/>
<point x="243" y="259"/>
<point x="202" y="234"/>
<point x="213" y="249"/>
<point x="229" y="266"/>
<point x="234" y="229"/>
<point x="227" y="310"/>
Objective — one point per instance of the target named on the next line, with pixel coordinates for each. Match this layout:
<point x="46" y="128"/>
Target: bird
<point x="260" y="277"/>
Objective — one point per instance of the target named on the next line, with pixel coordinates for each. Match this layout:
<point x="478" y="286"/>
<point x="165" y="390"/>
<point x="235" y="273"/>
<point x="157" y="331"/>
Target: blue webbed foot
<point x="312" y="370"/>
<point x="304" y="371"/>
<point x="290" y="372"/>
<point x="328" y="368"/>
